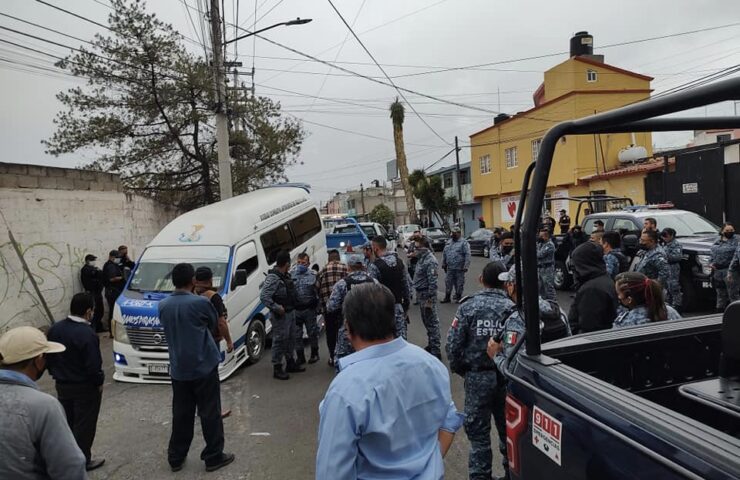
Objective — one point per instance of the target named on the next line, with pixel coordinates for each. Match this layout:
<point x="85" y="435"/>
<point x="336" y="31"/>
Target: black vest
<point x="349" y="281"/>
<point x="392" y="277"/>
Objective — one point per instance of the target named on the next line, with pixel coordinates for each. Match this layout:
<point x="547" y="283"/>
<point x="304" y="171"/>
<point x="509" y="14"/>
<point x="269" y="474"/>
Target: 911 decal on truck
<point x="546" y="434"/>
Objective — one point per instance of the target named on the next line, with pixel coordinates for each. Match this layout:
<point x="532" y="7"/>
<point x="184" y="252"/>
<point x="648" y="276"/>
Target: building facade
<point x="358" y="203"/>
<point x="470" y="209"/>
<point x="578" y="87"/>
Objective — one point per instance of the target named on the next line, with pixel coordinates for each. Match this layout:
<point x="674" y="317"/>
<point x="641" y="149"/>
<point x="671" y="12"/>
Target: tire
<point x="563" y="279"/>
<point x="255" y="341"/>
<point x="689" y="295"/>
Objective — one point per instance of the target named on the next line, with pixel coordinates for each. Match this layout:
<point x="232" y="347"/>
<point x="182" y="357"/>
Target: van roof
<point x="230" y="221"/>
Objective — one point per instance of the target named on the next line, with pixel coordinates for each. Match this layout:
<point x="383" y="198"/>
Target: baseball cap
<point x="355" y="259"/>
<point x="113" y="253"/>
<point x="509" y="276"/>
<point x="24" y="343"/>
<point x="90" y="257"/>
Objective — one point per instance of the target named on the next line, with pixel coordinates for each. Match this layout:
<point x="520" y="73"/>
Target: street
<point x="273" y="426"/>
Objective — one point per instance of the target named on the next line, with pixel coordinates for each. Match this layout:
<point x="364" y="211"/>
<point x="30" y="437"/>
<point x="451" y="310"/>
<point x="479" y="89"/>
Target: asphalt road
<point x="273" y="427"/>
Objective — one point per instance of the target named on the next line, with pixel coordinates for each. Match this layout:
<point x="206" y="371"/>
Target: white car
<point x="405" y="232"/>
<point x="374" y="229"/>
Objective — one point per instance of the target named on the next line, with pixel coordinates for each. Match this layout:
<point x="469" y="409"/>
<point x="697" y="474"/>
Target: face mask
<point x="301" y="268"/>
<point x="506" y="250"/>
<point x="117" y="261"/>
<point x="540" y="240"/>
<point x="643" y="246"/>
<point x="92" y="263"/>
<point x="729" y="234"/>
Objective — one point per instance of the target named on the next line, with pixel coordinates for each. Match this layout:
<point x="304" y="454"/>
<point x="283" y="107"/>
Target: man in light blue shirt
<point x="389" y="412"/>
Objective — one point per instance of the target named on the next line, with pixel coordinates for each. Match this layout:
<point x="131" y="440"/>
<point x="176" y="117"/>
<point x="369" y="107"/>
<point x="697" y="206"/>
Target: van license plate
<point x="706" y="285"/>
<point x="159" y="369"/>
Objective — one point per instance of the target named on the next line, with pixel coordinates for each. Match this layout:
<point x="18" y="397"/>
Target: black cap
<point x="562" y="211"/>
<point x="90" y="257"/>
<point x="599" y="222"/>
<point x="113" y="253"/>
<point x="203" y="274"/>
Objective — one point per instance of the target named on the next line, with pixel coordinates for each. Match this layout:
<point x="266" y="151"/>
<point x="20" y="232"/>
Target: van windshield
<point x="154" y="271"/>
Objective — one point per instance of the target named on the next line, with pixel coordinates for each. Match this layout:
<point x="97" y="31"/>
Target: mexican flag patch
<point x="510" y="338"/>
<point x="454" y="322"/>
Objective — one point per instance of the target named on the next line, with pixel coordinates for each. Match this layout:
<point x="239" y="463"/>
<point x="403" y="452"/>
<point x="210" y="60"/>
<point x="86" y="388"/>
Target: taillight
<point x="516" y="424"/>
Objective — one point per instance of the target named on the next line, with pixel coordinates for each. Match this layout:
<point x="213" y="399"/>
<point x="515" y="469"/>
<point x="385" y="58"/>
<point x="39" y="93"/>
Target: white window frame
<point x="511" y="157"/>
<point x="484" y="162"/>
<point x="592" y="76"/>
<point x="536" y="144"/>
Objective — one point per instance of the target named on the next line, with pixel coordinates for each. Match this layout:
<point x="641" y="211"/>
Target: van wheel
<point x="563" y="279"/>
<point x="255" y="341"/>
<point x="688" y="294"/>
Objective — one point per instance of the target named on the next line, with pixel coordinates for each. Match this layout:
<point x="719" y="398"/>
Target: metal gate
<point x="732" y="193"/>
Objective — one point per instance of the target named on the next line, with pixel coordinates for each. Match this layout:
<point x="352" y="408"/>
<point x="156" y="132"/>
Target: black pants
<point x="205" y="394"/>
<point x="81" y="404"/>
<point x="332" y="322"/>
<point x="111" y="296"/>
<point x="97" y="320"/>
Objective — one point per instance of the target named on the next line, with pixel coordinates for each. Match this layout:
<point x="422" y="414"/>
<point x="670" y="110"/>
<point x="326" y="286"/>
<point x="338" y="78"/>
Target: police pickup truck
<point x="695" y="234"/>
<point x="657" y="401"/>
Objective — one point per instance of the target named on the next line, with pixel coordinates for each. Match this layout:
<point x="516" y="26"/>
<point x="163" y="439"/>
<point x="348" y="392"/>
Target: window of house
<point x="725" y="137"/>
<point x="485" y="164"/>
<point x="511" y="158"/>
<point x="351" y="204"/>
<point x="275" y="240"/>
<point x="447" y="180"/>
<point x="464" y="177"/>
<point x="591" y="75"/>
<point x="536" y="144"/>
<point x="599" y="206"/>
<point x="305" y="226"/>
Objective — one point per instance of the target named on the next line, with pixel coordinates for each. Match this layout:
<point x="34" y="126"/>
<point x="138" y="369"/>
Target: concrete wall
<point x="58" y="216"/>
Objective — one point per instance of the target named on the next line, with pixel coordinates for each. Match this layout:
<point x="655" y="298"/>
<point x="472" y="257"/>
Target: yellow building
<point x="579" y="87"/>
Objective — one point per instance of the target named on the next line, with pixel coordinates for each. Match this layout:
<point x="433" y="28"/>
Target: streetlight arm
<point x="297" y="21"/>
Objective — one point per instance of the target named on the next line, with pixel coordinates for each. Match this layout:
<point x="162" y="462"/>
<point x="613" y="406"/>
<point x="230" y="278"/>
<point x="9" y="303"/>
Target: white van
<point x="238" y="239"/>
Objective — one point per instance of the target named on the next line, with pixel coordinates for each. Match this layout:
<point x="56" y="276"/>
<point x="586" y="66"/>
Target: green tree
<point x="382" y="214"/>
<point x="431" y="195"/>
<point x="146" y="112"/>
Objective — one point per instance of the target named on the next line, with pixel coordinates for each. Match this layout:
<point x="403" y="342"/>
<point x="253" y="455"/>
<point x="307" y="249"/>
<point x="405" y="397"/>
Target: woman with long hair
<point x="643" y="298"/>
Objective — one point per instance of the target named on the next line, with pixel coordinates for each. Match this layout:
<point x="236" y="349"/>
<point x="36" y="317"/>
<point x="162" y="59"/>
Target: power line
<point x="384" y="73"/>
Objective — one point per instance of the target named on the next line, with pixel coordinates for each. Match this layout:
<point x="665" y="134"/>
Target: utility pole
<point x="457" y="181"/>
<point x="362" y="198"/>
<point x="222" y="122"/>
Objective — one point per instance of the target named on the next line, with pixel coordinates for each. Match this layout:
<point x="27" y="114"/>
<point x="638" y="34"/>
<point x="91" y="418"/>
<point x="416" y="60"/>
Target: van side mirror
<point x="240" y="278"/>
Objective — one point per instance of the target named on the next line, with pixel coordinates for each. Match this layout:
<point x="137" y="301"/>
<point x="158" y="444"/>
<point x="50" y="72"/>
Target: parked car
<point x="405" y="232"/>
<point x="695" y="234"/>
<point x="437" y="237"/>
<point x="375" y="229"/>
<point x="480" y="241"/>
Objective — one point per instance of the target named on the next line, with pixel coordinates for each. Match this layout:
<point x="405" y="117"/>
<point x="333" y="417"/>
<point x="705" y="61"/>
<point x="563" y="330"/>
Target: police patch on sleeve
<point x="510" y="338"/>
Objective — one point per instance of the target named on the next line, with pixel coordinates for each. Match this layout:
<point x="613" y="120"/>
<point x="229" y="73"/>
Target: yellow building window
<point x="511" y="158"/>
<point x="485" y="164"/>
<point x="536" y="149"/>
<point x="591" y="76"/>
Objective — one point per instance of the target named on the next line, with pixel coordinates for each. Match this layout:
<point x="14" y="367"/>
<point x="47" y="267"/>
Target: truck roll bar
<point x="638" y="117"/>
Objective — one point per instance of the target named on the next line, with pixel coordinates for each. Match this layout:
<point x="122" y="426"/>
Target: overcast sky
<point x="406" y="37"/>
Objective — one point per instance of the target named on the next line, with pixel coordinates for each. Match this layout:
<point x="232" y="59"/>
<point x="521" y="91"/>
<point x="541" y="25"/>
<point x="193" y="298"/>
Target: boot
<point x="445" y="300"/>
<point x="279" y="373"/>
<point x="314" y="355"/>
<point x="300" y="357"/>
<point x="293" y="367"/>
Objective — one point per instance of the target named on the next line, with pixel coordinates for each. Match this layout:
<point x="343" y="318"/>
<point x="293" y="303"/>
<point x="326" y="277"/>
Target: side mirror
<point x="240" y="278"/>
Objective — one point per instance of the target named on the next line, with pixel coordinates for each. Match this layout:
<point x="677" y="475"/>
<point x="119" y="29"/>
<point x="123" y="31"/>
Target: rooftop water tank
<point x="581" y="44"/>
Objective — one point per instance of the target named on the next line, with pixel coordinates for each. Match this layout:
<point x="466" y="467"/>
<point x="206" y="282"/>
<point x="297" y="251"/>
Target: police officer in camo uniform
<point x="546" y="265"/>
<point x="357" y="275"/>
<point x="474" y="324"/>
<point x="307" y="301"/>
<point x="674" y="255"/>
<point x="455" y="262"/>
<point x="425" y="285"/>
<point x="278" y="295"/>
<point x="653" y="262"/>
<point x="389" y="270"/>
<point x="724" y="278"/>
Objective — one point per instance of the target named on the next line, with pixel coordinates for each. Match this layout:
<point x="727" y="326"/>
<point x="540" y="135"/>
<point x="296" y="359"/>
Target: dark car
<point x="480" y="241"/>
<point x="437" y="237"/>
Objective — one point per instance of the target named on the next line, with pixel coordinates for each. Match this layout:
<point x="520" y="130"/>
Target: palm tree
<point x="397" y="115"/>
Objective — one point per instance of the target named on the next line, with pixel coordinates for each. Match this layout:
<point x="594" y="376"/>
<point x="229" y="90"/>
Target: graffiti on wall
<point x="54" y="266"/>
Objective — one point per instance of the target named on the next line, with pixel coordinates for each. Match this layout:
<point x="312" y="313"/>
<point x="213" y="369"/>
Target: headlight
<point x="704" y="261"/>
<point x="117" y="328"/>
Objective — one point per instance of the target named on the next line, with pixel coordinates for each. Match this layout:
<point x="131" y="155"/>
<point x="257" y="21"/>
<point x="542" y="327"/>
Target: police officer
<point x="564" y="222"/>
<point x="357" y="275"/>
<point x="455" y="262"/>
<point x="278" y="294"/>
<point x="92" y="281"/>
<point x="425" y="285"/>
<point x="113" y="280"/>
<point x="505" y="251"/>
<point x="307" y="301"/>
<point x="389" y="270"/>
<point x="674" y="255"/>
<point x="616" y="261"/>
<point x="724" y="280"/>
<point x="410" y="252"/>
<point x="643" y="300"/>
<point x="653" y="262"/>
<point x="546" y="265"/>
<point x="474" y="324"/>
